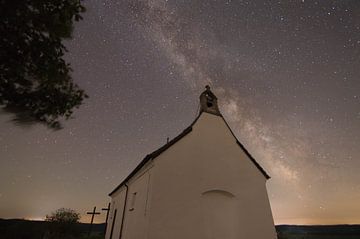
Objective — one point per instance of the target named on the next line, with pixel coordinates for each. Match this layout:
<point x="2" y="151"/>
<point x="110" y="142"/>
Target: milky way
<point x="287" y="78"/>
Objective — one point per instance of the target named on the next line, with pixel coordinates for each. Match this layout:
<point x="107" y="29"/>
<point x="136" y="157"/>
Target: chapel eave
<point x="151" y="156"/>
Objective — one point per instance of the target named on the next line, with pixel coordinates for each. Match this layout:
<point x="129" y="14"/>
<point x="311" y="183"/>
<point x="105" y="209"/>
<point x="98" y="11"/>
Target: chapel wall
<point x="206" y="159"/>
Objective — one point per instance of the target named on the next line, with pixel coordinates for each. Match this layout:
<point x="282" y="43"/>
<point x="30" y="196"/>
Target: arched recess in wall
<point x="220" y="214"/>
<point x="220" y="192"/>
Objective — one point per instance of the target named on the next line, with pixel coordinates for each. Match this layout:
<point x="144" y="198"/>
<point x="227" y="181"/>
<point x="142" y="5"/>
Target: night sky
<point x="287" y="78"/>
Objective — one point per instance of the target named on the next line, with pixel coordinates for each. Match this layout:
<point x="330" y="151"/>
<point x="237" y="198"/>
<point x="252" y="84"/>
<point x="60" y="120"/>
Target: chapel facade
<point x="203" y="184"/>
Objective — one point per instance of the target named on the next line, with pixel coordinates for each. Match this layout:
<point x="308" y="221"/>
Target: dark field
<point x="23" y="229"/>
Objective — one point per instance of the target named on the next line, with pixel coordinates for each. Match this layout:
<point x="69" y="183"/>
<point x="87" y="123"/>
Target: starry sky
<point x="286" y="74"/>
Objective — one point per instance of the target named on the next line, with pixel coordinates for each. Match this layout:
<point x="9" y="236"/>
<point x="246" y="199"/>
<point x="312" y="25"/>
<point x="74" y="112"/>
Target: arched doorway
<point x="220" y="214"/>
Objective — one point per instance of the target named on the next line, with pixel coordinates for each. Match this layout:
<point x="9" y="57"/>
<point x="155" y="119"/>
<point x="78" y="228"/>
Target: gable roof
<point x="186" y="131"/>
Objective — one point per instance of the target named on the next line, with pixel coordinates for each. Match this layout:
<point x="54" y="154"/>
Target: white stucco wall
<point x="117" y="203"/>
<point x="203" y="187"/>
<point x="135" y="217"/>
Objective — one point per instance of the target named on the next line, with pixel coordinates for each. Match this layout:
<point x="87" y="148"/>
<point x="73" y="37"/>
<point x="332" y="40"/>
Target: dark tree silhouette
<point x="63" y="224"/>
<point x="35" y="81"/>
<point x="63" y="215"/>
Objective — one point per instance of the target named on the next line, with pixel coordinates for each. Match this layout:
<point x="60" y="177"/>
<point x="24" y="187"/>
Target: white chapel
<point x="203" y="184"/>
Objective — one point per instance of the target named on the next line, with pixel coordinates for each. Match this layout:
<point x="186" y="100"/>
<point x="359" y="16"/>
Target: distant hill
<point x="24" y="229"/>
<point x="318" y="232"/>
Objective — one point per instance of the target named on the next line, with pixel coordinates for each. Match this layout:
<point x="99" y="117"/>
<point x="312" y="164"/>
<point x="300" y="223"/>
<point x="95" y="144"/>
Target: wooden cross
<point x="93" y="213"/>
<point x="107" y="215"/>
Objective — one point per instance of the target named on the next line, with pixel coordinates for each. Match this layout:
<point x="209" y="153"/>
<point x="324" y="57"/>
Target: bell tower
<point x="208" y="102"/>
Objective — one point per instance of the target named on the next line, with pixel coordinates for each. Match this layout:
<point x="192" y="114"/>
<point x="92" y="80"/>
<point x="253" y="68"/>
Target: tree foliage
<point x="63" y="223"/>
<point x="63" y="215"/>
<point x="35" y="80"/>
